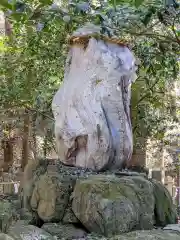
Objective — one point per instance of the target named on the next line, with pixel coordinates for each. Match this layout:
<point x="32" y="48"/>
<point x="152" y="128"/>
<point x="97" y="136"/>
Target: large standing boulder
<point x="109" y="205"/>
<point x="93" y="127"/>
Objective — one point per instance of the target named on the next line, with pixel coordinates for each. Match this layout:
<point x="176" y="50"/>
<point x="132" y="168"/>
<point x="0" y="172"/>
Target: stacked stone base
<point x="72" y="203"/>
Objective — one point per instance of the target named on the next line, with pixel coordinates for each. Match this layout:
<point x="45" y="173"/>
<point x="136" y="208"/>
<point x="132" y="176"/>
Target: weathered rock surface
<point x="93" y="128"/>
<point x="28" y="232"/>
<point x="109" y="205"/>
<point x="65" y="232"/>
<point x="19" y="213"/>
<point x="24" y="214"/>
<point x="173" y="227"/>
<point x="52" y="187"/>
<point x="105" y="203"/>
<point x="5" y="237"/>
<point x="33" y="234"/>
<point x="69" y="216"/>
<point x="165" y="211"/>
<point x="20" y="223"/>
<point x="138" y="235"/>
<point x="51" y="196"/>
<point x="146" y="212"/>
<point x="148" y="235"/>
<point x="6" y="215"/>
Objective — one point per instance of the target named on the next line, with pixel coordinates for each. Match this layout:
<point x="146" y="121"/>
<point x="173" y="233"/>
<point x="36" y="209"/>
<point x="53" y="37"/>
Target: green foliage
<point x="5" y="5"/>
<point x="138" y="3"/>
<point x="32" y="63"/>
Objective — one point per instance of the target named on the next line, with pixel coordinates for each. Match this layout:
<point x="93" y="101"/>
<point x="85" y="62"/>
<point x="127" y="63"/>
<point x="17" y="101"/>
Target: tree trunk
<point x="25" y="142"/>
<point x="33" y="142"/>
<point x="45" y="146"/>
<point x="7" y="145"/>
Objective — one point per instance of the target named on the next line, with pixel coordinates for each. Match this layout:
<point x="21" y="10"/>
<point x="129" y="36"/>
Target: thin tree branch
<point x="40" y="112"/>
<point x="155" y="35"/>
<point x="173" y="28"/>
<point x="147" y="94"/>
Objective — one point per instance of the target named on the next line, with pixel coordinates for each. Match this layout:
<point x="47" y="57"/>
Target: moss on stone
<point x="165" y="212"/>
<point x="110" y="205"/>
<point x="147" y="235"/>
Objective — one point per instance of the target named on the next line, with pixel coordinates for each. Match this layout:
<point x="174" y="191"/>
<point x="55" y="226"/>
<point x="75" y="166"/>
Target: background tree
<point x="39" y="46"/>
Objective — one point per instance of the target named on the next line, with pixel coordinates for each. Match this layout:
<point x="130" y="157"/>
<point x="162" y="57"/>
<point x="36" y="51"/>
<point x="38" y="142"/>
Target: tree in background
<point x="38" y="48"/>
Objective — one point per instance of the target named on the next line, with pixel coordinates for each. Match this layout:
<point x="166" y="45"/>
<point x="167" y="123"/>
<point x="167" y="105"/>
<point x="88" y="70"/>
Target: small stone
<point x="65" y="232"/>
<point x="28" y="232"/>
<point x="69" y="216"/>
<point x="173" y="227"/>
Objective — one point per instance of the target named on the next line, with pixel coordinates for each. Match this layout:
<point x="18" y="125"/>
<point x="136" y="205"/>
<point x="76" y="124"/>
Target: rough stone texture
<point x="33" y="170"/>
<point x="28" y="232"/>
<point x="20" y="223"/>
<point x="144" y="188"/>
<point x="51" y="196"/>
<point x="165" y="211"/>
<point x="6" y="215"/>
<point x="93" y="128"/>
<point x="173" y="227"/>
<point x="65" y="232"/>
<point x="5" y="237"/>
<point x="93" y="236"/>
<point x="11" y="208"/>
<point x="148" y="235"/>
<point x="24" y="214"/>
<point x="69" y="216"/>
<point x="18" y="211"/>
<point x="109" y="205"/>
<point x="138" y="235"/>
<point x="51" y="191"/>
